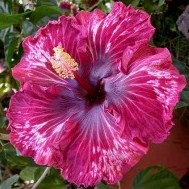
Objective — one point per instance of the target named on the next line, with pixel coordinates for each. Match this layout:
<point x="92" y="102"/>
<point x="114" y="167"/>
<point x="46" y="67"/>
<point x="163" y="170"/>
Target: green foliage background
<point x="16" y="23"/>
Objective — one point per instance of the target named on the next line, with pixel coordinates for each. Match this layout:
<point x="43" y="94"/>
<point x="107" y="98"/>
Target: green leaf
<point x="11" y="44"/>
<point x="5" y="6"/>
<point x="182" y="67"/>
<point x="102" y="186"/>
<point x="4" y="32"/>
<point x="47" y="2"/>
<point x="28" y="173"/>
<point x="156" y="177"/>
<point x="153" y="6"/>
<point x="185" y="96"/>
<point x="52" y="180"/>
<point x="39" y="172"/>
<point x="181" y="105"/>
<point x="161" y="3"/>
<point x="7" y="20"/>
<point x="28" y="28"/>
<point x="43" y="11"/>
<point x="7" y="184"/>
<point x="14" y="159"/>
<point x="135" y="3"/>
<point x="127" y="2"/>
<point x="3" y="121"/>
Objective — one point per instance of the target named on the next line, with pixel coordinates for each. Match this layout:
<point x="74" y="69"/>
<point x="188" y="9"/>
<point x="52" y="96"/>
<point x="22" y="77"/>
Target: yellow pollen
<point x="63" y="63"/>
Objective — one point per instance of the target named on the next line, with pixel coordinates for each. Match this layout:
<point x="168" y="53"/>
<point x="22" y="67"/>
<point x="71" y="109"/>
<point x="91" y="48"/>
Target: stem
<point x="119" y="185"/>
<point x="4" y="136"/>
<point x="95" y="5"/>
<point x="41" y="178"/>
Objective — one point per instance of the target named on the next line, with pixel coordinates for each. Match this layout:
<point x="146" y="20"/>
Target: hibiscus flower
<point x="93" y="94"/>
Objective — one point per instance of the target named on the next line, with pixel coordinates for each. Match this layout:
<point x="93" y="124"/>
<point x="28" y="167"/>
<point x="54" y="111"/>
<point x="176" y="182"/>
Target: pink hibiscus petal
<point x="108" y="36"/>
<point x="37" y="119"/>
<point x="35" y="65"/>
<point x="146" y="96"/>
<point x="93" y="149"/>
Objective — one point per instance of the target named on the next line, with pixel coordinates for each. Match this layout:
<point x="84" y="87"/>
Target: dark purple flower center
<point x="98" y="96"/>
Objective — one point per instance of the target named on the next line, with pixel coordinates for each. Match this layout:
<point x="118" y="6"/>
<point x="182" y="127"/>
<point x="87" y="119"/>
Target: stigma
<point x="64" y="65"/>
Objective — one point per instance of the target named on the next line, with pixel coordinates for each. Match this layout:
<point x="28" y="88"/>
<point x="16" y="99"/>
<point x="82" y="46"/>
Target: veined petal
<point x="92" y="149"/>
<point x="146" y="96"/>
<point x="167" y="83"/>
<point x="108" y="36"/>
<point x="37" y="117"/>
<point x="35" y="65"/>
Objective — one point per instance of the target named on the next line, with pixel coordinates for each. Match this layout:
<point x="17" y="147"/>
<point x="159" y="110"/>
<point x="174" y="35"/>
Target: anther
<point x="63" y="63"/>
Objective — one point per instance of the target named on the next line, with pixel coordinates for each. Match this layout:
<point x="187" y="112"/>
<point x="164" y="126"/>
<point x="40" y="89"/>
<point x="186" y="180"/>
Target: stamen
<point x="66" y="67"/>
<point x="63" y="63"/>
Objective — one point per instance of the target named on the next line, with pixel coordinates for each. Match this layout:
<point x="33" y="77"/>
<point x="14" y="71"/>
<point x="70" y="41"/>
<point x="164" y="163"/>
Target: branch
<point x="95" y="5"/>
<point x="41" y="178"/>
<point x="4" y="136"/>
<point x="119" y="185"/>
